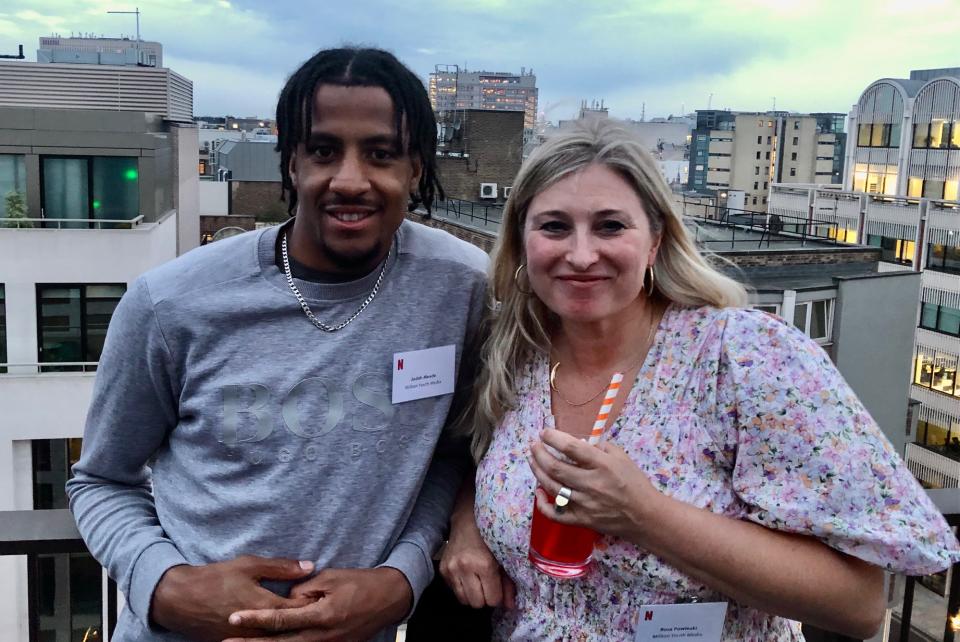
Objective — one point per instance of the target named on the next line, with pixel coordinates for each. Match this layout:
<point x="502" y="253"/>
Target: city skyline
<point x="656" y="57"/>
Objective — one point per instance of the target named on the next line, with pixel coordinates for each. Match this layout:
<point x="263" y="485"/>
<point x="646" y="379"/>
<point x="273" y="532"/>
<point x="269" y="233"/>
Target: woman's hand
<point x="610" y="493"/>
<point x="467" y="564"/>
<point x="737" y="558"/>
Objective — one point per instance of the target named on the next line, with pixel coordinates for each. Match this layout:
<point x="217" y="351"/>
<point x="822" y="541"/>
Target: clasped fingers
<point x="317" y="615"/>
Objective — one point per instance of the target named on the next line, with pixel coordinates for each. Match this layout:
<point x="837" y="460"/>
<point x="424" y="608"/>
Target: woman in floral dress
<point x="738" y="466"/>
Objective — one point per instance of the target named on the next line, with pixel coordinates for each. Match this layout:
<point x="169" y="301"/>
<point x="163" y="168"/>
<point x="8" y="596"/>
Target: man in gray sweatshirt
<point x="290" y="389"/>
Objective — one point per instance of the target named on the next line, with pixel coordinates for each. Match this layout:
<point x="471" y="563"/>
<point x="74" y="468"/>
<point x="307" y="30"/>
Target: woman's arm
<point x="789" y="575"/>
<point x="466" y="563"/>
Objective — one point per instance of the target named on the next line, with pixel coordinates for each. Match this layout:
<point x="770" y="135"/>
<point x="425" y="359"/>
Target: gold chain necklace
<point x="577" y="404"/>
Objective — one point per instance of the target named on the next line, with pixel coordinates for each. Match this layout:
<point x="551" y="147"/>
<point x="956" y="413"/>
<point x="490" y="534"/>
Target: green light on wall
<point x="130" y="175"/>
<point x="96" y="205"/>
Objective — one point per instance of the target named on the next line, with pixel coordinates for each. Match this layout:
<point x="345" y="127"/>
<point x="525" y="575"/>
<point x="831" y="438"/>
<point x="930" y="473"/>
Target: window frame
<point x="51" y="366"/>
<point x="808" y="315"/>
<point x="91" y="220"/>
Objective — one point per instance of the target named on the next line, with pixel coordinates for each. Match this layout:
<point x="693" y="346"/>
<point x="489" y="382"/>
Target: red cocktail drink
<point x="558" y="549"/>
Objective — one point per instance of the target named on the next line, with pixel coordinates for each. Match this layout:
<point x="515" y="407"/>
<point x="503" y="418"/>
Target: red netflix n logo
<point x="647" y="616"/>
<point x="399" y="364"/>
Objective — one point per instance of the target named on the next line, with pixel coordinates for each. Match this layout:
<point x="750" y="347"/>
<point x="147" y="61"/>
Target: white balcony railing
<point x="933" y="468"/>
<point x="48" y="367"/>
<point x="70" y="223"/>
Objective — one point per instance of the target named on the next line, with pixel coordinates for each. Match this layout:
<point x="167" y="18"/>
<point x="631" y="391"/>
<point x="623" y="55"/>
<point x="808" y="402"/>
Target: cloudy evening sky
<point x="812" y="55"/>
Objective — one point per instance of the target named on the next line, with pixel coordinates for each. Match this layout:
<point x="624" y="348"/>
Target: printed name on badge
<point x="681" y="622"/>
<point x="419" y="374"/>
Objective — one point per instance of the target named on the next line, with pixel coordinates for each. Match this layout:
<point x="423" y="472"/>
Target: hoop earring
<point x="516" y="279"/>
<point x="650" y="288"/>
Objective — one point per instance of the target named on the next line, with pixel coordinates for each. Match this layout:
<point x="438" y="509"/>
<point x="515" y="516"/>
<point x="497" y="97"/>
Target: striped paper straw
<point x="604" y="414"/>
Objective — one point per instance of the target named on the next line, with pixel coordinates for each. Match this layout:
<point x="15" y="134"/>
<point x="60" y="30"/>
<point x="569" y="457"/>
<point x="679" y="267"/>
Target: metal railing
<point x="481" y="214"/>
<point x="40" y="532"/>
<point x="947" y="500"/>
<point x="47" y="367"/>
<point x="71" y="223"/>
<point x="762" y="228"/>
<point x="932" y="467"/>
<point x="46" y="532"/>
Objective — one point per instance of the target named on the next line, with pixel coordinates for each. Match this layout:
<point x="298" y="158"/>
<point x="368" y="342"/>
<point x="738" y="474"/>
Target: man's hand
<point x="346" y="604"/>
<point x="198" y="600"/>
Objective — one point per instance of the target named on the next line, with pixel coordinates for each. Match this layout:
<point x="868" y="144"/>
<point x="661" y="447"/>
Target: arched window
<point x="936" y="126"/>
<point x="936" y="116"/>
<point x="880" y="114"/>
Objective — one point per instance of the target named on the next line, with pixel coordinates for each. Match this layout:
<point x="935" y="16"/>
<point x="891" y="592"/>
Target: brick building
<point x="479" y="148"/>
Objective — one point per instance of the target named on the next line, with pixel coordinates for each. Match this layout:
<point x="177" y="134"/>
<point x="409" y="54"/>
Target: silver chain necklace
<point x="306" y="308"/>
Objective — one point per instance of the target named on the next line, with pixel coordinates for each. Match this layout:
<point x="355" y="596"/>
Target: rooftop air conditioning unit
<point x="488" y="190"/>
<point x="507" y="190"/>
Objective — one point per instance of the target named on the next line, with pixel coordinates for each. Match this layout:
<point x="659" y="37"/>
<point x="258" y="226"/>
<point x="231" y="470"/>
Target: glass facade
<point x="940" y="318"/>
<point x="72" y="322"/>
<point x="90" y="188"/>
<point x="943" y="258"/>
<point x="13" y="179"/>
<point x="936" y="372"/>
<point x="893" y="250"/>
<point x="66" y="593"/>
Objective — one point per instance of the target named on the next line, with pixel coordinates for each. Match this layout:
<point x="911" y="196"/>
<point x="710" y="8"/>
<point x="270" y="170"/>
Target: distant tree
<point x="16" y="207"/>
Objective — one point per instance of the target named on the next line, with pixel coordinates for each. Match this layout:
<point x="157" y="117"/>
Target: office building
<point x="901" y="195"/>
<point x="90" y="49"/>
<point x="452" y="88"/>
<point x="906" y="137"/>
<point x="748" y="151"/>
<point x="95" y="195"/>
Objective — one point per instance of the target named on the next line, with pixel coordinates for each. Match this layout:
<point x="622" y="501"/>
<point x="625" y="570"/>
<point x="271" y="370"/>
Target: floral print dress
<point x="736" y="412"/>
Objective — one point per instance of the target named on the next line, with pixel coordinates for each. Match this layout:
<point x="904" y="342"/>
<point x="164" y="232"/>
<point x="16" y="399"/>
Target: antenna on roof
<point x="136" y="13"/>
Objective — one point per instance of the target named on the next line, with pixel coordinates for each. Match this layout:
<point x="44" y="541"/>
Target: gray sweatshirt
<point x="266" y="436"/>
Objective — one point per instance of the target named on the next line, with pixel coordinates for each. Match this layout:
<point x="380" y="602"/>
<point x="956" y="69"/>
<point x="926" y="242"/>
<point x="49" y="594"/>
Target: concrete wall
<point x="187" y="183"/>
<point x="874" y="351"/>
<point x="813" y="256"/>
<point x="493" y="141"/>
<point x="213" y="198"/>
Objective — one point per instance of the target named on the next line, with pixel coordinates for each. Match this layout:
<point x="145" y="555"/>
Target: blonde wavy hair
<point x="519" y="323"/>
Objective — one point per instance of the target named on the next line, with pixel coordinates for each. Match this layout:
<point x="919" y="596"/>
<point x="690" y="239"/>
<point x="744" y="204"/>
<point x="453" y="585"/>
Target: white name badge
<point x="419" y="374"/>
<point x="677" y="622"/>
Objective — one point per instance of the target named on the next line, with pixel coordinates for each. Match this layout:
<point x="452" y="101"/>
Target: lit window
<point x="915" y="186"/>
